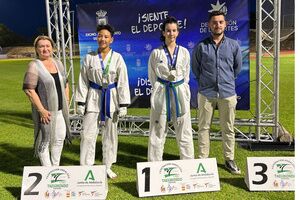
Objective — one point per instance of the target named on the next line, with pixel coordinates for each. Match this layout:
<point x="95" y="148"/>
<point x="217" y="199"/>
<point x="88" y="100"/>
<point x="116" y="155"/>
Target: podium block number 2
<point x="35" y="183"/>
<point x="261" y="173"/>
<point x="146" y="170"/>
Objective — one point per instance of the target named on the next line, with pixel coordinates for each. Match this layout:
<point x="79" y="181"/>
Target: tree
<point x="8" y="37"/>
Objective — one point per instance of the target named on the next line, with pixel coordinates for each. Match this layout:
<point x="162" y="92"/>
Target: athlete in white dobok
<point x="168" y="72"/>
<point x="102" y="96"/>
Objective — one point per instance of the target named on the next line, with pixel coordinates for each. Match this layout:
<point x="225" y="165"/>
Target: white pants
<point x="89" y="137"/>
<point x="206" y="109"/>
<point x="52" y="157"/>
<point x="158" y="132"/>
<point x="110" y="141"/>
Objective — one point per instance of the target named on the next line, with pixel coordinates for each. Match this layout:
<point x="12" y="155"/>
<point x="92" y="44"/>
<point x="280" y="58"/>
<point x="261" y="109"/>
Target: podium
<point x="177" y="177"/>
<point x="270" y="174"/>
<point x="64" y="182"/>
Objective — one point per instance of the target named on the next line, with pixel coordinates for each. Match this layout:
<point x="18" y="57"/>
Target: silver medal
<point x="105" y="82"/>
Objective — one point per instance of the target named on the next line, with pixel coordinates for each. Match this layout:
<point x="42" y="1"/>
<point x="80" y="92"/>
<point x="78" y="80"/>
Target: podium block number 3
<point x="261" y="173"/>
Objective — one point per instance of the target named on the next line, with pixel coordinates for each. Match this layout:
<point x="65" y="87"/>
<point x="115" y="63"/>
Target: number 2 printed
<point x="35" y="183"/>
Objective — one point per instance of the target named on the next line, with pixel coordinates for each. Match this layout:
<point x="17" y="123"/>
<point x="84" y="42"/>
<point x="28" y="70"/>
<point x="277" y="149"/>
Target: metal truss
<point x="267" y="75"/>
<point x="264" y="126"/>
<point x="139" y="125"/>
<point x="244" y="129"/>
<point x="59" y="29"/>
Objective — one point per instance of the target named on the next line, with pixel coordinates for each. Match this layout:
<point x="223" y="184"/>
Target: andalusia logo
<point x="201" y="168"/>
<point x="171" y="173"/>
<point x="89" y="179"/>
<point x="89" y="176"/>
<point x="202" y="172"/>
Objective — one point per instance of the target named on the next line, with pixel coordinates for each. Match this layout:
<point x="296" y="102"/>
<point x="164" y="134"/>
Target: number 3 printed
<point x="264" y="168"/>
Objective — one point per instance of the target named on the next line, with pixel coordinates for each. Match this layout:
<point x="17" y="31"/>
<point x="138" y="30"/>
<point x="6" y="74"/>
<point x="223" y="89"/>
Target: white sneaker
<point x="111" y="174"/>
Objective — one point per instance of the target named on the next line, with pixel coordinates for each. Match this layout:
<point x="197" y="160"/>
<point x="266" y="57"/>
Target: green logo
<point x="201" y="168"/>
<point x="282" y="168"/>
<point x="56" y="177"/>
<point x="89" y="176"/>
<point x="169" y="170"/>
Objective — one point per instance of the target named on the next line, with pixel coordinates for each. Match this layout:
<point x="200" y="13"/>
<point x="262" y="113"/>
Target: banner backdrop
<point x="137" y="23"/>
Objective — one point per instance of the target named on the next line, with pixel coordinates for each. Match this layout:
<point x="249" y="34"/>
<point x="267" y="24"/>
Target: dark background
<point x="27" y="19"/>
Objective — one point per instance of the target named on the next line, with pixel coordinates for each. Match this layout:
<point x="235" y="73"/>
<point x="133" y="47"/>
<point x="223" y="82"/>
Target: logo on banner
<point x="284" y="169"/>
<point x="128" y="47"/>
<point x="191" y="45"/>
<point x="201" y="172"/>
<point x="53" y="194"/>
<point x="185" y="187"/>
<point x="90" y="180"/>
<point x="284" y="173"/>
<point x="218" y="7"/>
<point x="89" y="176"/>
<point x="101" y="19"/>
<point x="88" y="194"/>
<point x="201" y="168"/>
<point x="171" y="173"/>
<point x="231" y="25"/>
<point x="148" y="47"/>
<point x="58" y="179"/>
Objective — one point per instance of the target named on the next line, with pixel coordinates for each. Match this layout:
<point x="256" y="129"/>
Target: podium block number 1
<point x="177" y="177"/>
<point x="146" y="171"/>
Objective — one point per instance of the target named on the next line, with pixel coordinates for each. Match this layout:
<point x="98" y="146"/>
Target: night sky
<point x="27" y="16"/>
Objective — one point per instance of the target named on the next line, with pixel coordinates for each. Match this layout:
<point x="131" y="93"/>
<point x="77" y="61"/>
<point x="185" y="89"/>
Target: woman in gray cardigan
<point x="46" y="86"/>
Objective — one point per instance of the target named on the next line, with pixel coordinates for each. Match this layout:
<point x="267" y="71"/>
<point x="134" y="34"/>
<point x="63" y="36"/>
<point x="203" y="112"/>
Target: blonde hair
<point x="41" y="37"/>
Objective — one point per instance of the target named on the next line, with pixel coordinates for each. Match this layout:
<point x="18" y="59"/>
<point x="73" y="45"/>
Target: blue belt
<point x="95" y="86"/>
<point x="172" y="85"/>
<point x="105" y="98"/>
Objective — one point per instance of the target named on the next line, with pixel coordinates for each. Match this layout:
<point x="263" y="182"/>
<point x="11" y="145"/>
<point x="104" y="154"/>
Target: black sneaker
<point x="232" y="167"/>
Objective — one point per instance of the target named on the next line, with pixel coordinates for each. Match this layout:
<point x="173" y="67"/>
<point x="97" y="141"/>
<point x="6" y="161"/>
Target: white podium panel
<point x="64" y="182"/>
<point x="177" y="176"/>
<point x="270" y="174"/>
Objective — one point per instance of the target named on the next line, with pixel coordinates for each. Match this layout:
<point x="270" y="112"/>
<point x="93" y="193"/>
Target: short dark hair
<point x="168" y="20"/>
<point x="215" y="13"/>
<point x="107" y="27"/>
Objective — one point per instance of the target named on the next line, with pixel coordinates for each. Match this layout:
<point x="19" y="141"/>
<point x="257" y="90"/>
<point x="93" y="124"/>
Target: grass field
<point x="16" y="138"/>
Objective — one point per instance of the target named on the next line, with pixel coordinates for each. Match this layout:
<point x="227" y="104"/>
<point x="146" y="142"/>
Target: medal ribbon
<point x="171" y="61"/>
<point x="106" y="68"/>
